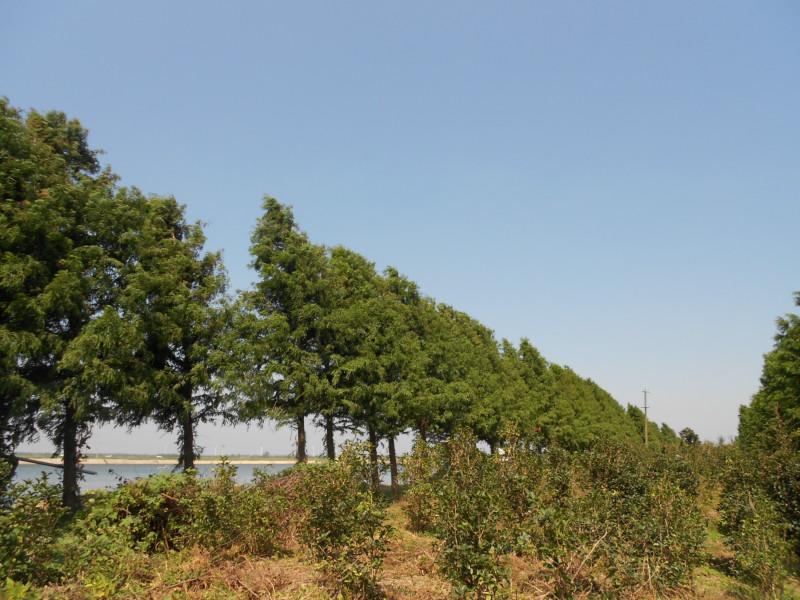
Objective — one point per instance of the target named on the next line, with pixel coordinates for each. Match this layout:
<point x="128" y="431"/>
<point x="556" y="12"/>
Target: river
<point x="109" y="476"/>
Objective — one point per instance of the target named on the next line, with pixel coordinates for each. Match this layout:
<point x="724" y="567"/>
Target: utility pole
<point x="645" y="392"/>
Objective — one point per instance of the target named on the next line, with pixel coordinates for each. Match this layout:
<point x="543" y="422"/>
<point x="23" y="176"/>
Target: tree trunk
<point x="187" y="441"/>
<point x="373" y="457"/>
<point x="393" y="466"/>
<point x="70" y="495"/>
<point x="423" y="431"/>
<point x="330" y="446"/>
<point x="301" y="439"/>
<point x="7" y="446"/>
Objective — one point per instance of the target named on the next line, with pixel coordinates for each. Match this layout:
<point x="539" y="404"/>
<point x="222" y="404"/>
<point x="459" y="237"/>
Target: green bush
<point x="656" y="528"/>
<point x="658" y="538"/>
<point x="419" y="474"/>
<point x="6" y="474"/>
<point x="343" y="522"/>
<point x="107" y="547"/>
<point x="756" y="530"/>
<point x="173" y="511"/>
<point x="98" y="548"/>
<point x="223" y="514"/>
<point x="14" y="590"/>
<point x="30" y="522"/>
<point x="761" y="549"/>
<point x="471" y="521"/>
<point x="153" y="512"/>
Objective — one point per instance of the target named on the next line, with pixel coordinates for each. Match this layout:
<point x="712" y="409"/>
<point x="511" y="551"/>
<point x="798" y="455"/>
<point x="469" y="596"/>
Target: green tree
<point x="689" y="437"/>
<point x="636" y="416"/>
<point x="582" y="413"/>
<point x="778" y="399"/>
<point x="283" y="377"/>
<point x="176" y="297"/>
<point x="668" y="435"/>
<point x="59" y="264"/>
<point x="769" y="428"/>
<point x="445" y="396"/>
<point x="28" y="168"/>
<point x="373" y="352"/>
<point x="155" y="352"/>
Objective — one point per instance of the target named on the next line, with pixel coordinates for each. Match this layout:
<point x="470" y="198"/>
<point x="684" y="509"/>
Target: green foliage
<point x="779" y="396"/>
<point x="469" y="521"/>
<point x="754" y="524"/>
<point x="583" y="413"/>
<point x="107" y="544"/>
<point x="652" y="503"/>
<point x="419" y="474"/>
<point x="6" y="474"/>
<point x="689" y="437"/>
<point x="280" y="372"/>
<point x="224" y="514"/>
<point x="59" y="258"/>
<point x="14" y="590"/>
<point x="613" y="520"/>
<point x="30" y="524"/>
<point x="758" y="535"/>
<point x="343" y="522"/>
<point x="761" y="547"/>
<point x="151" y="513"/>
<point x="165" y="323"/>
<point x="769" y="428"/>
<point x="173" y="511"/>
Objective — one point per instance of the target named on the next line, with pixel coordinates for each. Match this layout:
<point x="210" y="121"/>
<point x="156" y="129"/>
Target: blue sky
<point x="617" y="181"/>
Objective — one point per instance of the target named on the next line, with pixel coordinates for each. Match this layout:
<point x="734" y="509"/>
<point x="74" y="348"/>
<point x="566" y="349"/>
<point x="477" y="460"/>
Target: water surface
<point x="109" y="476"/>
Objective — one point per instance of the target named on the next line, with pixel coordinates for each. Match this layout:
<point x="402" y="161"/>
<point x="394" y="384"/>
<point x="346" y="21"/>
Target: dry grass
<point x="202" y="576"/>
<point x="409" y="568"/>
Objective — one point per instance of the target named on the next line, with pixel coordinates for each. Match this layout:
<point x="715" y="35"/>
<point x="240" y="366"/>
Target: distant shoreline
<point x="170" y="461"/>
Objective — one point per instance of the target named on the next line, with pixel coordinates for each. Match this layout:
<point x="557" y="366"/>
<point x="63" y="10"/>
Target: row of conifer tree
<point x="113" y="312"/>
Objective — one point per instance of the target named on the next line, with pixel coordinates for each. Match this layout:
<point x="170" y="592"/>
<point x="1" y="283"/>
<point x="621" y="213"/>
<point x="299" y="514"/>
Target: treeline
<point x="113" y="312"/>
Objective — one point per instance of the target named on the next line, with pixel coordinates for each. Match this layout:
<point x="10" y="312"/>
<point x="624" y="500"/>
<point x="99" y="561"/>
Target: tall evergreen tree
<point x="445" y="395"/>
<point x="59" y="266"/>
<point x="777" y="402"/>
<point x="376" y="351"/>
<point x="285" y="313"/>
<point x="176" y="297"/>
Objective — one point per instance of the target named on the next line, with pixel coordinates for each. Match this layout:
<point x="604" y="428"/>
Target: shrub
<point x="223" y="514"/>
<point x="611" y="520"/>
<point x="343" y="522"/>
<point x="659" y="536"/>
<point x="760" y="546"/>
<point x="174" y="511"/>
<point x="14" y="590"/>
<point x="419" y="474"/>
<point x="470" y="521"/>
<point x="98" y="549"/>
<point x="570" y="529"/>
<point x="755" y="529"/>
<point x="153" y="512"/>
<point x="30" y="523"/>
<point x="658" y="529"/>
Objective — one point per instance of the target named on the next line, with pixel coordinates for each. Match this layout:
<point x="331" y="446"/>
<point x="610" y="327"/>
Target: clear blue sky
<point x="617" y="181"/>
